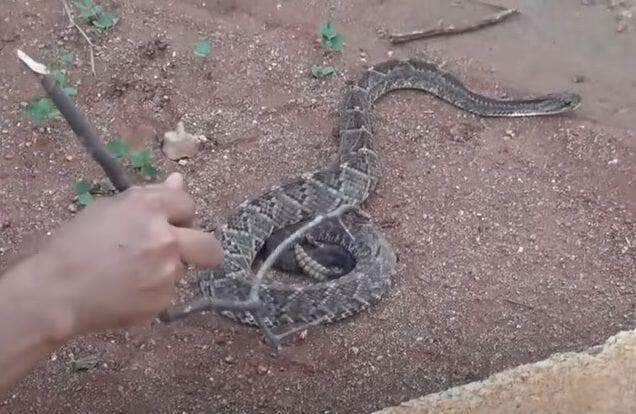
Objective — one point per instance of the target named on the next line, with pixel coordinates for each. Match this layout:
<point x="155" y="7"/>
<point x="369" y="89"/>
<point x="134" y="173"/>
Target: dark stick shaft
<point x="80" y="126"/>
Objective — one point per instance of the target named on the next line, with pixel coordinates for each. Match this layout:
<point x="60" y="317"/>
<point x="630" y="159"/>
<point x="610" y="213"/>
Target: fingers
<point x="178" y="207"/>
<point x="198" y="248"/>
<point x="168" y="198"/>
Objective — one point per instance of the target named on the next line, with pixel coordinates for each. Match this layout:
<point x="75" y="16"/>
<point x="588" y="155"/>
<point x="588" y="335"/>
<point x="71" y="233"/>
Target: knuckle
<point x="166" y="239"/>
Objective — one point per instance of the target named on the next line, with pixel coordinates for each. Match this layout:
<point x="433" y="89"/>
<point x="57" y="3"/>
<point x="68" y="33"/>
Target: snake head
<point x="562" y="102"/>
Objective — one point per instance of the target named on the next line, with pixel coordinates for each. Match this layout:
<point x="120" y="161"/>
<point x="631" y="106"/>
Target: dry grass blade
<point x="91" y="46"/>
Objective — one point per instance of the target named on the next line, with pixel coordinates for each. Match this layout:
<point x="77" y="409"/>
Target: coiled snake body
<point x="332" y="296"/>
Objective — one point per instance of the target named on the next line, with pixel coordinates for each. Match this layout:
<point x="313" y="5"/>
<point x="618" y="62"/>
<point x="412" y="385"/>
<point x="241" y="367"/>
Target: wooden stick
<point x="452" y="30"/>
<point x="79" y="124"/>
<point x="174" y="313"/>
<point x="513" y="302"/>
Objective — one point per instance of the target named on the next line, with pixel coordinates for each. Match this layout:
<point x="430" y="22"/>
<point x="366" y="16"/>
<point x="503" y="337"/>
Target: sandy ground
<point x="515" y="236"/>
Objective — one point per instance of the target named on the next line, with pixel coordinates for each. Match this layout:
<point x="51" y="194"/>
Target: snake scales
<point x="333" y="295"/>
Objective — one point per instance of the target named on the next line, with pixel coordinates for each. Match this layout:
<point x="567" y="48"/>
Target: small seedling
<point x="329" y="37"/>
<point x="140" y="160"/>
<point x="321" y="71"/>
<point x="96" y="15"/>
<point x="60" y="78"/>
<point x="39" y="109"/>
<point x="64" y="57"/>
<point x="202" y="48"/>
<point x="118" y="148"/>
<point x="85" y="191"/>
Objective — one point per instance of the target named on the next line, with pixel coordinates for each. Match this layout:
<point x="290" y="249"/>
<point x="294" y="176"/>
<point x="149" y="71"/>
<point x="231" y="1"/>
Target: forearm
<point x="33" y="321"/>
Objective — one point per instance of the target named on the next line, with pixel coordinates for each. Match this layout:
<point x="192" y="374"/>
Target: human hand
<point x="116" y="263"/>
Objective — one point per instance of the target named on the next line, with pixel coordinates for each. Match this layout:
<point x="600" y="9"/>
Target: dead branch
<point x="523" y="305"/>
<point x="91" y="46"/>
<point x="78" y="123"/>
<point x="254" y="304"/>
<point x="174" y="313"/>
<point x="453" y="30"/>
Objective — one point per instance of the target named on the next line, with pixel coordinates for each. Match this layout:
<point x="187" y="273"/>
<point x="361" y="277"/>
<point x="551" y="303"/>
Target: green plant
<point x="39" y="109"/>
<point x="329" y="37"/>
<point x="95" y="15"/>
<point x="60" y="78"/>
<point x="64" y="57"/>
<point x="85" y="191"/>
<point x="321" y="71"/>
<point x="202" y="48"/>
<point x="140" y="160"/>
<point x="118" y="148"/>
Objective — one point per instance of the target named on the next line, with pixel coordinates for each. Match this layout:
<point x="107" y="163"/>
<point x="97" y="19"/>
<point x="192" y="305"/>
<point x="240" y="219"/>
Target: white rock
<point x="180" y="144"/>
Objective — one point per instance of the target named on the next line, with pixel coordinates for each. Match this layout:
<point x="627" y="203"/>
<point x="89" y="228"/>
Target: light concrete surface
<point x="599" y="380"/>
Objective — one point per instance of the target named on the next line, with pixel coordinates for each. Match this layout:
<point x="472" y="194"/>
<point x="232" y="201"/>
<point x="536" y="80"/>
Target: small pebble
<point x="579" y="78"/>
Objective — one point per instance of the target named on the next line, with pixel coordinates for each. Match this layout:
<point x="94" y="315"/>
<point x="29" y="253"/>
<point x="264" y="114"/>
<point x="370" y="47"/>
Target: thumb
<point x="198" y="248"/>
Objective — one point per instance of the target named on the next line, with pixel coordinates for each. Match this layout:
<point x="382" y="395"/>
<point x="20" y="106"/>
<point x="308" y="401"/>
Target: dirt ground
<point x="515" y="237"/>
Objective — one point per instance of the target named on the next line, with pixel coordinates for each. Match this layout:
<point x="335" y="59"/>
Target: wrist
<point x="36" y="294"/>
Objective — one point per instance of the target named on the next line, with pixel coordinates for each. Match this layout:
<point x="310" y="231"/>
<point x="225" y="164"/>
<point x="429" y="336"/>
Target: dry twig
<point x="514" y="302"/>
<point x="91" y="46"/>
<point x="502" y="15"/>
<point x="79" y="124"/>
<point x="253" y="303"/>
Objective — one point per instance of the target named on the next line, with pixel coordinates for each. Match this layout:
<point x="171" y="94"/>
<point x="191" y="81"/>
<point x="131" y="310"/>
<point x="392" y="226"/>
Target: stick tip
<point x="35" y="66"/>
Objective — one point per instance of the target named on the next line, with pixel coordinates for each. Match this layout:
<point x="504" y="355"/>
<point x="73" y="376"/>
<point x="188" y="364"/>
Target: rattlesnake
<point x="332" y="297"/>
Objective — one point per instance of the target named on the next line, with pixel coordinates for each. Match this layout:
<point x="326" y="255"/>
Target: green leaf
<point x="40" y="109"/>
<point x="321" y="71"/>
<point x="202" y="48"/>
<point x="58" y="76"/>
<point x="105" y="21"/>
<point x="327" y="30"/>
<point x="149" y="171"/>
<point x="329" y="37"/>
<point x="87" y="9"/>
<point x="118" y="148"/>
<point x="82" y="187"/>
<point x="65" y="57"/>
<point x="336" y="42"/>
<point x="85" y="199"/>
<point x="95" y="15"/>
<point x="141" y="157"/>
<point x="69" y="90"/>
